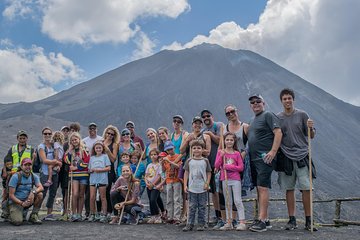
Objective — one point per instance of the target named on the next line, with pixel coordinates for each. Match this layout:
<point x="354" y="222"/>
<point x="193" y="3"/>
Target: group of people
<point x="108" y="174"/>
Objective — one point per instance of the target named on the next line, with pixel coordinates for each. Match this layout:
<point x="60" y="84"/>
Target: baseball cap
<point x="197" y="118"/>
<point x="25" y="161"/>
<point x="21" y="133"/>
<point x="179" y="117"/>
<point x="162" y="154"/>
<point x="255" y="95"/>
<point x="65" y="127"/>
<point x="168" y="145"/>
<point x="130" y="123"/>
<point x="124" y="131"/>
<point x="205" y="111"/>
<point x="92" y="124"/>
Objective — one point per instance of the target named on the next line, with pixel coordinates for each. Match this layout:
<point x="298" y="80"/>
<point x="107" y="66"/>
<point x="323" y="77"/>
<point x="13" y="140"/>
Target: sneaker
<point x="219" y="224"/>
<point x="114" y="220"/>
<point x="49" y="217"/>
<point x="227" y="226"/>
<point x="151" y="220"/>
<point x="188" y="227"/>
<point x="260" y="226"/>
<point x="34" y="219"/>
<point x="91" y="218"/>
<point x="102" y="218"/>
<point x="158" y="220"/>
<point x="308" y="227"/>
<point x="64" y="217"/>
<point x="234" y="223"/>
<point x="268" y="224"/>
<point x="75" y="218"/>
<point x="241" y="227"/>
<point x="200" y="228"/>
<point x="291" y="225"/>
<point x="134" y="220"/>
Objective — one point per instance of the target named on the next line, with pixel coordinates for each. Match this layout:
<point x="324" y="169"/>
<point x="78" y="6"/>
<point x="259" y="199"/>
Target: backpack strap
<point x="20" y="178"/>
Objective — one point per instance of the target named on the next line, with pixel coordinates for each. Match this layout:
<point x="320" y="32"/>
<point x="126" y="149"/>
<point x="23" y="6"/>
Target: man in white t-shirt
<point x="92" y="138"/>
<point x="89" y="142"/>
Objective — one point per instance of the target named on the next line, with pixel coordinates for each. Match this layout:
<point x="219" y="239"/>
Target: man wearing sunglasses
<point x="135" y="138"/>
<point x="264" y="138"/>
<point x="212" y="129"/>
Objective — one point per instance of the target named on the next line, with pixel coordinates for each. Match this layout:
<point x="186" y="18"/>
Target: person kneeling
<point x="21" y="195"/>
<point x="125" y="194"/>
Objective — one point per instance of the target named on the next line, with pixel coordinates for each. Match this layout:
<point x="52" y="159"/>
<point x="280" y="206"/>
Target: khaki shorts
<point x="299" y="175"/>
<point x="16" y="213"/>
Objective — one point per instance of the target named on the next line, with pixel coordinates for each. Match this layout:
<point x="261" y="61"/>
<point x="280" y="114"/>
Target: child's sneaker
<point x="151" y="220"/>
<point x="158" y="220"/>
<point x="92" y="218"/>
<point x="188" y="227"/>
<point x="200" y="228"/>
<point x="227" y="226"/>
<point x="241" y="227"/>
<point x="219" y="224"/>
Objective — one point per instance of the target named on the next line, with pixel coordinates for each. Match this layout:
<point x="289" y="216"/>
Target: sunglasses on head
<point x="47" y="133"/>
<point x="111" y="134"/>
<point x="256" y="101"/>
<point x="206" y="116"/>
<point x="230" y="112"/>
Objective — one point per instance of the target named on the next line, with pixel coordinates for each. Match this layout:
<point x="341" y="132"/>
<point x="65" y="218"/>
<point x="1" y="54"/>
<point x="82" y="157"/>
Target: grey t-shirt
<point x="99" y="162"/>
<point x="294" y="143"/>
<point x="198" y="169"/>
<point x="260" y="134"/>
<point x="215" y="128"/>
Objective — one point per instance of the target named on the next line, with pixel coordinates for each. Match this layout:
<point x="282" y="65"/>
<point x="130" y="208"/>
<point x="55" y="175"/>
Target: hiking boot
<point x="227" y="226"/>
<point x="291" y="225"/>
<point x="259" y="226"/>
<point x="241" y="227"/>
<point x="49" y="217"/>
<point x="219" y="224"/>
<point x="91" y="218"/>
<point x="200" y="228"/>
<point x="188" y="227"/>
<point x="268" y="224"/>
<point x="34" y="219"/>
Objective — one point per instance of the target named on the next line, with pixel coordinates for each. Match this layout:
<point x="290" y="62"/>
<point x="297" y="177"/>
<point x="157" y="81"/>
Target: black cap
<point x="205" y="111"/>
<point x="21" y="133"/>
<point x="197" y="118"/>
<point x="179" y="117"/>
<point x="255" y="95"/>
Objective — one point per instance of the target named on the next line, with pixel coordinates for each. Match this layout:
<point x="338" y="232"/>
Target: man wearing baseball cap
<point x="25" y="190"/>
<point x="136" y="139"/>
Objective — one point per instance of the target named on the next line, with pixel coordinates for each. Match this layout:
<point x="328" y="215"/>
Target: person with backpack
<point x="22" y="194"/>
<point x="48" y="160"/>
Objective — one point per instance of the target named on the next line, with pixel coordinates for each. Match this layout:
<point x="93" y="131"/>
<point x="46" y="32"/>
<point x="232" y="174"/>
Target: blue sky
<point x="47" y="45"/>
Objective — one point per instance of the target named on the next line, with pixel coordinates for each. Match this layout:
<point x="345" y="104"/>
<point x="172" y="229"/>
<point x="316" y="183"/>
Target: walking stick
<point x="227" y="194"/>
<point x="129" y="188"/>
<point x="71" y="186"/>
<point x="310" y="177"/>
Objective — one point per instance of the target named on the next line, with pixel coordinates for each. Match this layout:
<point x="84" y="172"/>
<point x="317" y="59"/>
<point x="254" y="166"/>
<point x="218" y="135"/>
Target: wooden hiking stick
<point x="227" y="194"/>
<point x="71" y="185"/>
<point x="129" y="188"/>
<point x="310" y="178"/>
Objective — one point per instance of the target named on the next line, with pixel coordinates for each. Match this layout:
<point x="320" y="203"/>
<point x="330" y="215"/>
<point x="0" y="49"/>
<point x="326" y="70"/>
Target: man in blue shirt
<point x="22" y="195"/>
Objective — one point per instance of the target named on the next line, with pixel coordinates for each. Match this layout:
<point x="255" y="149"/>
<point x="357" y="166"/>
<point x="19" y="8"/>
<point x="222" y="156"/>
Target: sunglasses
<point x="256" y="101"/>
<point x="230" y="112"/>
<point x="177" y="121"/>
<point x="111" y="134"/>
<point x="47" y="133"/>
<point x="125" y="134"/>
<point x="129" y="126"/>
<point x="91" y="129"/>
<point x="206" y="116"/>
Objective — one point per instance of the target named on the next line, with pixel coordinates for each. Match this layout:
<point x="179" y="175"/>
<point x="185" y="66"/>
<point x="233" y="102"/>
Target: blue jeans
<point x="197" y="201"/>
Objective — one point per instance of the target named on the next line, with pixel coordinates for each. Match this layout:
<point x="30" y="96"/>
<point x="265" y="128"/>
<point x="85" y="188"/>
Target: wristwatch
<point x="33" y="191"/>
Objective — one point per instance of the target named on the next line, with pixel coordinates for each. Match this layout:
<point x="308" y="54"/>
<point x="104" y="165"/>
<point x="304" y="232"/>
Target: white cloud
<point x="93" y="21"/>
<point x="145" y="47"/>
<point x="316" y="39"/>
<point x="30" y="74"/>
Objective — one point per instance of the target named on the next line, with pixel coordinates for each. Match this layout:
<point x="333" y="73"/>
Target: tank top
<point x="239" y="136"/>
<point x="177" y="143"/>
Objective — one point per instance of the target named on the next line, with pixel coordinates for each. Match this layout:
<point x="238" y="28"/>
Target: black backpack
<point x="37" y="161"/>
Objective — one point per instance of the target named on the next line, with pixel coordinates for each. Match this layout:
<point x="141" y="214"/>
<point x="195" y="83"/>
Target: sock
<point x="307" y="220"/>
<point x="292" y="218"/>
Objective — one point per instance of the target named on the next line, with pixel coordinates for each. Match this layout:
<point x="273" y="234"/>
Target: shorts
<point x="261" y="173"/>
<point x="82" y="180"/>
<point x="17" y="213"/>
<point x="299" y="175"/>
